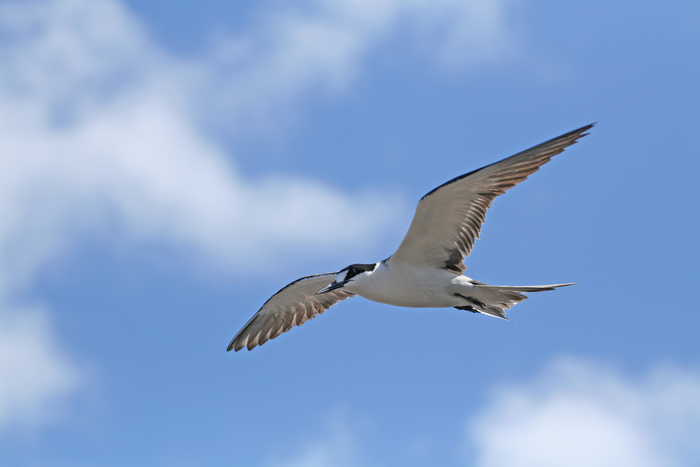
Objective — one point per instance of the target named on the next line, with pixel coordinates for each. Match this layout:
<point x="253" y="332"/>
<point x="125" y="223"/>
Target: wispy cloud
<point x="100" y="128"/>
<point x="323" y="46"/>
<point x="34" y="375"/>
<point x="337" y="448"/>
<point x="99" y="124"/>
<point x="578" y="413"/>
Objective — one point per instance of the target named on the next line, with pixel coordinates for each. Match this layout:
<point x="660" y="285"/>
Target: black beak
<point x="332" y="286"/>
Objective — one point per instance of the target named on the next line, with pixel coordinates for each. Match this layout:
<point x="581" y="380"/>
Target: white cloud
<point x="582" y="414"/>
<point x="96" y="129"/>
<point x="322" y="45"/>
<point x="100" y="129"/>
<point x="34" y="374"/>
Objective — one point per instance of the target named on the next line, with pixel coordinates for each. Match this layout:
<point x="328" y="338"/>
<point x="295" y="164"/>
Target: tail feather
<point x="527" y="288"/>
<point x="494" y="300"/>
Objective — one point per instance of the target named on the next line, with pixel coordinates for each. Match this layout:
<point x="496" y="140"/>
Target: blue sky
<point x="167" y="166"/>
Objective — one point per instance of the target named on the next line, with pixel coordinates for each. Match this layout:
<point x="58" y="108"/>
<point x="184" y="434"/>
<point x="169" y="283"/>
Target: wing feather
<point x="292" y="306"/>
<point x="448" y="219"/>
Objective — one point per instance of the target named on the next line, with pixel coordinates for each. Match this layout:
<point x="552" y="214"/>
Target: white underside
<point x="413" y="287"/>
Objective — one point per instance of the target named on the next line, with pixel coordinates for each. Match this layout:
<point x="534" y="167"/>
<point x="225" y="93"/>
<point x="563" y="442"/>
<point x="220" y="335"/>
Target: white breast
<point x="408" y="287"/>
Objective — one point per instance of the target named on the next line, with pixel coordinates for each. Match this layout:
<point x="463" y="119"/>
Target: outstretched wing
<point x="449" y="218"/>
<point x="294" y="305"/>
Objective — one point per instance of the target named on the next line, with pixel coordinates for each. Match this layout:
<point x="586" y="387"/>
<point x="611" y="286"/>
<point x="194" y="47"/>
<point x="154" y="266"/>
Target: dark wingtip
<point x="578" y="131"/>
<point x="585" y="128"/>
<point x="233" y="346"/>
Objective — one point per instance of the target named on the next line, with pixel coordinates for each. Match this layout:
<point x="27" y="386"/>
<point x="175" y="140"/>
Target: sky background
<point x="166" y="166"/>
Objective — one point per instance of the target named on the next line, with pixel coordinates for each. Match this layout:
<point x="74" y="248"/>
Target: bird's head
<point x="347" y="275"/>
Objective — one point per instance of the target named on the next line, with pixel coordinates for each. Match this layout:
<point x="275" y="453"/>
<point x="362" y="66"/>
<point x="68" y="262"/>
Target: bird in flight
<point x="427" y="269"/>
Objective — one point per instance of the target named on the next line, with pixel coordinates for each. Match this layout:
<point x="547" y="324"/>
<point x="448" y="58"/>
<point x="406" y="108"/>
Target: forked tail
<point x="494" y="300"/>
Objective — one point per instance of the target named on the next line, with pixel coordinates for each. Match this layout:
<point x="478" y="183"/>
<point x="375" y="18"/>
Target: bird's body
<point x="395" y="284"/>
<point x="426" y="271"/>
<point x="415" y="287"/>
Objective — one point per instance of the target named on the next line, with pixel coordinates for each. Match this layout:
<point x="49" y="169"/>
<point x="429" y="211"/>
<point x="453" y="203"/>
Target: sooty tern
<point x="426" y="270"/>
